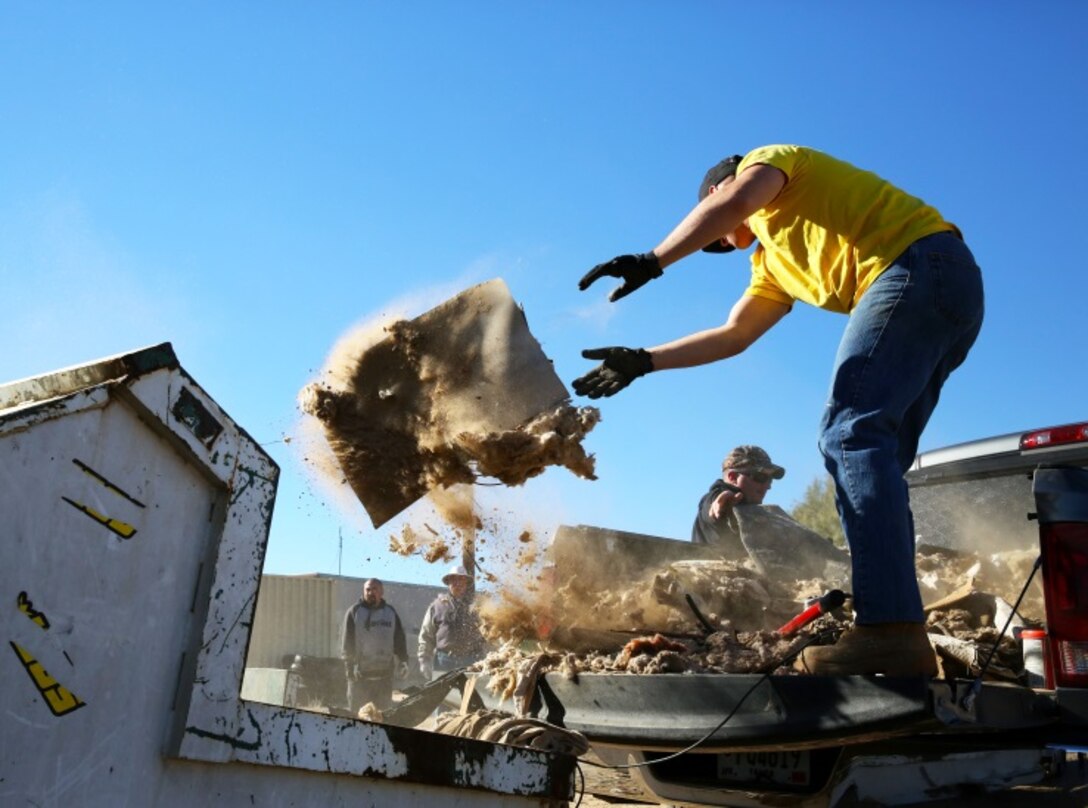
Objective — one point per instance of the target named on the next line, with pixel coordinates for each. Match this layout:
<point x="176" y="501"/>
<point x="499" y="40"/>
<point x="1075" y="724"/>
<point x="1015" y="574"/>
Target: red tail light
<point x="1054" y="436"/>
<point x="1065" y="578"/>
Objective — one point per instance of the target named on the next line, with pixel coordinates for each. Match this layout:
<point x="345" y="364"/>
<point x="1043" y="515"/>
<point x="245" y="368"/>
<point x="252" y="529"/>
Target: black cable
<point x="706" y="624"/>
<point x="977" y="685"/>
<point x="692" y="746"/>
<point x="766" y="675"/>
<point x="582" y="779"/>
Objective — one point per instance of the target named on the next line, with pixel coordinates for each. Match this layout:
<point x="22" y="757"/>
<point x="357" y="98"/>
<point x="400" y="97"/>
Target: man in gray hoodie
<point x="372" y="647"/>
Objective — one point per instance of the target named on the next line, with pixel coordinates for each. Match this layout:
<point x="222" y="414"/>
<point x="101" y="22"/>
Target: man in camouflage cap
<point x="747" y="474"/>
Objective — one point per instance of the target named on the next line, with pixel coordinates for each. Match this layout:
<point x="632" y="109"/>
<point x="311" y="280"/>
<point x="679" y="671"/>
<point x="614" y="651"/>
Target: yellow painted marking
<point x="122" y="529"/>
<point x="60" y="699"/>
<point x="27" y="608"/>
<point x="94" y="474"/>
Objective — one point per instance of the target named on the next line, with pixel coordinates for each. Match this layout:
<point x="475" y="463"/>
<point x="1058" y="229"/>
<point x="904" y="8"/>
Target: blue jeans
<point x="909" y="331"/>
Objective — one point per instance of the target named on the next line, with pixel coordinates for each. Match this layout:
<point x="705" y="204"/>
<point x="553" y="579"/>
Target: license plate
<point x="791" y="768"/>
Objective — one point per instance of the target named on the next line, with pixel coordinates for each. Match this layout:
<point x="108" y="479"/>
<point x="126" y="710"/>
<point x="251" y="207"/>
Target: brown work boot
<point x="894" y="649"/>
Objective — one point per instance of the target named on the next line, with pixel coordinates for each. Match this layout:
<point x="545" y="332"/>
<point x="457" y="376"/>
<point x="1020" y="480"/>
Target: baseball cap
<point x="726" y="168"/>
<point x="752" y="458"/>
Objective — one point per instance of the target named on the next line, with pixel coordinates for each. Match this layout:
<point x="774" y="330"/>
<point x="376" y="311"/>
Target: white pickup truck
<point x="749" y="739"/>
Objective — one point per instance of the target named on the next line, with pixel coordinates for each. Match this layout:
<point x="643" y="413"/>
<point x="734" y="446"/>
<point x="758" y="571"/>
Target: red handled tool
<point x="832" y="599"/>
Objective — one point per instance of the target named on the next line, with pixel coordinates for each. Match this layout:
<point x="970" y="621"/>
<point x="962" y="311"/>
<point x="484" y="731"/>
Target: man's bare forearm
<point x="700" y="348"/>
<point x="721" y="213"/>
<point x="750" y="319"/>
<point x="705" y="223"/>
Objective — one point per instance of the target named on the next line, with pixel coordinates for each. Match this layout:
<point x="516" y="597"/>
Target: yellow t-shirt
<point x="832" y="230"/>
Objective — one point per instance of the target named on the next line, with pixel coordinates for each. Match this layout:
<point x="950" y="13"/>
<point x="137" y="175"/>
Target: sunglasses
<point x="758" y="476"/>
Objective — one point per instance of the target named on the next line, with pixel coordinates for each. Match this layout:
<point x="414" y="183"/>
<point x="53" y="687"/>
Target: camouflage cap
<point x="752" y="458"/>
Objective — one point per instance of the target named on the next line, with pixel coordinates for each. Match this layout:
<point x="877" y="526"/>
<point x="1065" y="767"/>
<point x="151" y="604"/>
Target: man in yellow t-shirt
<point x="841" y="238"/>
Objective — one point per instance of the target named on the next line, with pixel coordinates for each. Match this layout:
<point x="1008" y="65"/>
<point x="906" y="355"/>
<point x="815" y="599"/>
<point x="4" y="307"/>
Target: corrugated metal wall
<point x="303" y="614"/>
<point x="293" y="617"/>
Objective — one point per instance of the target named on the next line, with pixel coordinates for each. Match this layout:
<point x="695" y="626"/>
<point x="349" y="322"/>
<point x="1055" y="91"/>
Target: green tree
<point x="817" y="511"/>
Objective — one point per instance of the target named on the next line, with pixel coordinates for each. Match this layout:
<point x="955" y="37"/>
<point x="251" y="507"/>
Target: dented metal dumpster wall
<point x="136" y="515"/>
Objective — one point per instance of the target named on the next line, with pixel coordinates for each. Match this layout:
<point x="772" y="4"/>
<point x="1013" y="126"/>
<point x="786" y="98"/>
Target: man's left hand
<point x="636" y="271"/>
<point x="620" y="367"/>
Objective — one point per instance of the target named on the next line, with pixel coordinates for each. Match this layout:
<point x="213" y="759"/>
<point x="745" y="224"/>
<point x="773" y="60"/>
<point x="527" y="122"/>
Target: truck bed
<point x="668" y="712"/>
<point x="720" y="739"/>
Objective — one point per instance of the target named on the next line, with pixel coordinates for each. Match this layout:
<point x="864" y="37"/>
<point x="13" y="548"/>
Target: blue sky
<point x="251" y="181"/>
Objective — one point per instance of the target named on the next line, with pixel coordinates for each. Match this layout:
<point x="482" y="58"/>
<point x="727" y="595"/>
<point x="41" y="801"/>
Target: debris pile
<point x="964" y="627"/>
<point x="721" y="652"/>
<point x="461" y="392"/>
<point x="745" y="605"/>
<point x="732" y="591"/>
<point x="941" y="572"/>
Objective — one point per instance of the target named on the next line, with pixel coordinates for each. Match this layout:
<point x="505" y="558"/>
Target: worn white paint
<point x="502" y="769"/>
<point x="138" y="541"/>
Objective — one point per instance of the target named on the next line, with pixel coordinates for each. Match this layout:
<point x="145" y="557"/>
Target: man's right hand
<point x="620" y="367"/>
<point x="724" y="502"/>
<point x="636" y="271"/>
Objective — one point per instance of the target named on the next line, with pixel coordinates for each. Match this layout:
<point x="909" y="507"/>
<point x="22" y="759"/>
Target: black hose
<point x="699" y="615"/>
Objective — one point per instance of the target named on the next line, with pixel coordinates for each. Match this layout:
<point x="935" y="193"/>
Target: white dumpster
<point x="135" y="520"/>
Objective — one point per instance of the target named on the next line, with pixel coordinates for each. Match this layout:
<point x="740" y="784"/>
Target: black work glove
<point x="635" y="270"/>
<point x="620" y="367"/>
